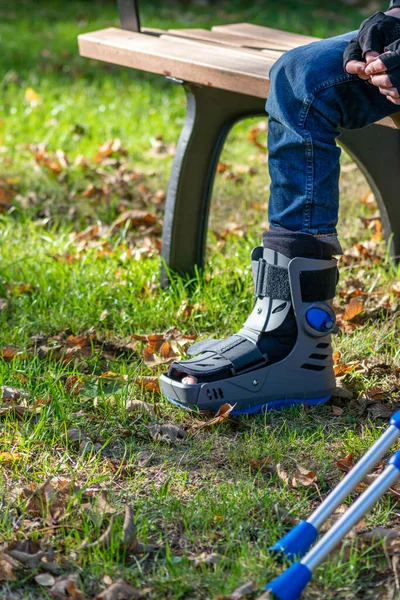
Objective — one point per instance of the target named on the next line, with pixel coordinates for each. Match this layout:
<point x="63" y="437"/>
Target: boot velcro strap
<point x="272" y="281"/>
<point x="316" y="286"/>
<point x="240" y="352"/>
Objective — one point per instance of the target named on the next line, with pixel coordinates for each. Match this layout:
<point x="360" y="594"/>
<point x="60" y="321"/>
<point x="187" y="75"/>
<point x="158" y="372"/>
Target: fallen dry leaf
<point x="376" y="393"/>
<point x="8" y="354"/>
<point x="67" y="586"/>
<point x="222" y="414"/>
<point x="15" y="410"/>
<point x="75" y="435"/>
<point x="354" y="308"/>
<point x="150" y="383"/>
<point x="140" y="406"/>
<point x="8" y="567"/>
<point x="134" y="218"/>
<point x="160" y="148"/>
<point x="120" y="590"/>
<point x="258" y="464"/>
<point x="303" y="477"/>
<point x="242" y="591"/>
<point x="255" y="132"/>
<point x="11" y="394"/>
<point x="144" y="458"/>
<point x="282" y="473"/>
<point x="167" y="433"/>
<point x="129" y="537"/>
<point x="344" y="368"/>
<point x="341" y="391"/>
<point x="103" y="541"/>
<point x="389" y="537"/>
<point x="50" y="499"/>
<point x="379" y="411"/>
<point x="56" y="162"/>
<point x="369" y="200"/>
<point x="73" y="384"/>
<point x="205" y="559"/>
<point x="110" y="147"/>
<point x="7" y="458"/>
<point x="346" y="463"/>
<point x="127" y="541"/>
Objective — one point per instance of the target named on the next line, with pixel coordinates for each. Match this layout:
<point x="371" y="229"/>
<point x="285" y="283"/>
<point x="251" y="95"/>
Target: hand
<point x="375" y="35"/>
<point x="387" y="80"/>
<point x="375" y="54"/>
<point x="358" y="67"/>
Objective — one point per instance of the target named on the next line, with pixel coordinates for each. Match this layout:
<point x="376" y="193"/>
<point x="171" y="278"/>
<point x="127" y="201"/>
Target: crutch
<point x="299" y="539"/>
<point x="290" y="585"/>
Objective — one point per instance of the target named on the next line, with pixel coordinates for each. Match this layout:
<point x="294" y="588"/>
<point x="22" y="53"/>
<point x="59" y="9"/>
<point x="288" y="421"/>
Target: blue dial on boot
<point x="320" y="320"/>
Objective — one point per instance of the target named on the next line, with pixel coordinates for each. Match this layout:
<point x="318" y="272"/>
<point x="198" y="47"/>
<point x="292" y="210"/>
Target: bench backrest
<point x="129" y="14"/>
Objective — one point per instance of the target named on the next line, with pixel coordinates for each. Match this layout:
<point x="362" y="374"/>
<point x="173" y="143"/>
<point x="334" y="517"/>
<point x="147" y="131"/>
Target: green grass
<point x="202" y="495"/>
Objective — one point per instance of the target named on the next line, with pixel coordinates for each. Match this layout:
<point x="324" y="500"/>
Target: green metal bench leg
<point x="210" y="115"/>
<point x="376" y="150"/>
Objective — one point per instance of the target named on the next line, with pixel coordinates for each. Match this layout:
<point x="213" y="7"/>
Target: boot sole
<point x="264" y="407"/>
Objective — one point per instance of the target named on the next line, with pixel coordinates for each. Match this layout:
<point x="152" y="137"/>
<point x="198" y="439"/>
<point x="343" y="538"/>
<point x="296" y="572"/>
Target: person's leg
<point x="311" y="97"/>
<point x="283" y="352"/>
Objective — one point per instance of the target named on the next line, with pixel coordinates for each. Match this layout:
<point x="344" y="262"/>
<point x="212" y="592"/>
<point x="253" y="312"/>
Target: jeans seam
<point x="309" y="99"/>
<point x="309" y="150"/>
<point x="309" y="146"/>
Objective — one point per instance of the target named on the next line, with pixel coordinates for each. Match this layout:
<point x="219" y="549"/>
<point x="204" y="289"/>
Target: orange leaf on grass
<point x="346" y="463"/>
<point x="150" y="383"/>
<point x="110" y="147"/>
<point x="9" y="354"/>
<point x="354" y="308"/>
<point x="369" y="200"/>
<point x="260" y="463"/>
<point x="254" y="134"/>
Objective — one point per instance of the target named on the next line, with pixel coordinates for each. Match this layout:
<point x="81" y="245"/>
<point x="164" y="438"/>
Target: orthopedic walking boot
<point x="282" y="355"/>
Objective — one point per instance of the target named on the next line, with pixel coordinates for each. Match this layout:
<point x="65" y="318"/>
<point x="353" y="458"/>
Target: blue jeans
<point x="311" y="97"/>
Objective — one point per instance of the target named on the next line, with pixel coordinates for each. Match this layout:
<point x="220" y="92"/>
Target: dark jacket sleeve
<point x="395" y="3"/>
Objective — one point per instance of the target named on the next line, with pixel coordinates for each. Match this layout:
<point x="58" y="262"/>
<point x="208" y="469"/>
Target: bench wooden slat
<point x="285" y="39"/>
<point x="393" y="122"/>
<point x="229" y="39"/>
<point x="207" y="65"/>
<point x="238" y="50"/>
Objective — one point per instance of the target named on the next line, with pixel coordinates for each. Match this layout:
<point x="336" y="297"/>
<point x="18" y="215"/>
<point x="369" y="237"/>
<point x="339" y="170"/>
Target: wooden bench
<point x="225" y="73"/>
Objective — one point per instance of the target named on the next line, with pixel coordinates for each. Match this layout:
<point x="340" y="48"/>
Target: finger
<point x="371" y="56"/>
<point x="392" y="92"/>
<point x="381" y="81"/>
<point x="394" y="100"/>
<point x="376" y="66"/>
<point x="355" y="67"/>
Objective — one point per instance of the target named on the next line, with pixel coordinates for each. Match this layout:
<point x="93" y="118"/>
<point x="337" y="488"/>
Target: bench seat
<point x="234" y="57"/>
<point x="225" y="73"/>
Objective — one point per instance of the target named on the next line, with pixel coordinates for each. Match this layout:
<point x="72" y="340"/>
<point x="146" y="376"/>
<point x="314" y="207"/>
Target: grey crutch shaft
<point x="352" y="516"/>
<point x="303" y="535"/>
<point x="291" y="584"/>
